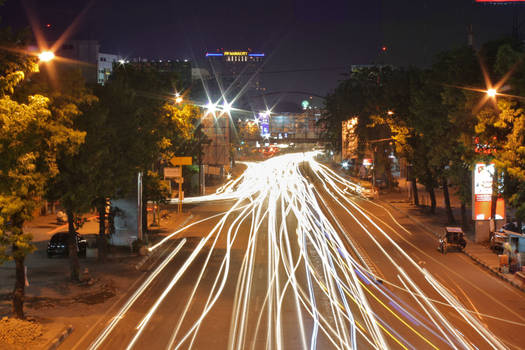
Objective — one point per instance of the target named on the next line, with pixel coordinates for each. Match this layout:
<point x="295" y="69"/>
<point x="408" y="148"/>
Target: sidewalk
<point x="480" y="253"/>
<point x="58" y="305"/>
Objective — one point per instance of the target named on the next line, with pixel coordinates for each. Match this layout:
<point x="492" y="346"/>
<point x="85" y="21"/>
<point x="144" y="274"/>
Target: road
<point x="290" y="256"/>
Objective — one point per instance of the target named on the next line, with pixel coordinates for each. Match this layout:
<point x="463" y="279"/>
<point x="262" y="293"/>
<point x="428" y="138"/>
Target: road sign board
<point x="181" y="161"/>
<point x="172" y="172"/>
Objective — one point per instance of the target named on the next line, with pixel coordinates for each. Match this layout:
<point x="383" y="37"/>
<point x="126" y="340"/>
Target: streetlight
<point x="492" y="93"/>
<point x="226" y="107"/>
<point x="178" y="98"/>
<point x="46" y="56"/>
<point x="210" y="108"/>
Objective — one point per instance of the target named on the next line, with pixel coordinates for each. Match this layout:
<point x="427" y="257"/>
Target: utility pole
<point x="139" y="206"/>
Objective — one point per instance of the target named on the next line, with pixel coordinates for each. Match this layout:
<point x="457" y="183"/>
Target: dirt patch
<point x="18" y="334"/>
<point x="96" y="293"/>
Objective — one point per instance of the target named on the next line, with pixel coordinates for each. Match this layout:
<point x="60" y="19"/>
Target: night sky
<point x="312" y="41"/>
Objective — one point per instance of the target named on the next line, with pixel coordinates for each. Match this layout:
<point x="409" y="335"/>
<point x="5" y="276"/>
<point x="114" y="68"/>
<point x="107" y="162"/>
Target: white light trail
<point x="299" y="256"/>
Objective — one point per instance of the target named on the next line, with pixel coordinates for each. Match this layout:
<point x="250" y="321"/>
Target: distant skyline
<point x="310" y="42"/>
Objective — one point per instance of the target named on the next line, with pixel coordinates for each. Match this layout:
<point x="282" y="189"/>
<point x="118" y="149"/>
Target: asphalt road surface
<point x="291" y="256"/>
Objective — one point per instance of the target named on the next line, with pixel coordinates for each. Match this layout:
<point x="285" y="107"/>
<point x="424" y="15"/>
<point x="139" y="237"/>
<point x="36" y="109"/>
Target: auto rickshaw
<point x="453" y="238"/>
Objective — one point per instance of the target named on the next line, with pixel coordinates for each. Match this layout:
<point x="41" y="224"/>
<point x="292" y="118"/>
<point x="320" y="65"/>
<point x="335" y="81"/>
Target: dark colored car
<point x="58" y="245"/>
<point x="512" y="226"/>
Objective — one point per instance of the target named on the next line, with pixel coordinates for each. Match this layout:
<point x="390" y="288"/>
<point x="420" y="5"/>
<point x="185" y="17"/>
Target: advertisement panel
<point x="264" y="124"/>
<point x="482" y="193"/>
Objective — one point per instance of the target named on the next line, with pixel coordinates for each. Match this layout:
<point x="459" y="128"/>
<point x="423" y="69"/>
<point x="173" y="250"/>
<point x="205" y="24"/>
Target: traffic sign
<point x="173" y="172"/>
<point x="181" y="161"/>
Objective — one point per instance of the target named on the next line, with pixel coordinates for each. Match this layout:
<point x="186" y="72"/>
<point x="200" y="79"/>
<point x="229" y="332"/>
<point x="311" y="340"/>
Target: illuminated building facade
<point x="298" y="127"/>
<point x="237" y="68"/>
<point x="105" y="66"/>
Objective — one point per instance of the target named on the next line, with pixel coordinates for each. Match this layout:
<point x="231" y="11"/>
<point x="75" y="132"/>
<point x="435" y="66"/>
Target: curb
<point x="472" y="257"/>
<point x="494" y="271"/>
<point x="60" y="339"/>
<point x="141" y="262"/>
<point x="144" y="259"/>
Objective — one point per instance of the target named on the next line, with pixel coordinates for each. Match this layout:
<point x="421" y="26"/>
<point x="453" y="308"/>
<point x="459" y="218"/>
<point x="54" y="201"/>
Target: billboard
<point x="264" y="124"/>
<point x="482" y="193"/>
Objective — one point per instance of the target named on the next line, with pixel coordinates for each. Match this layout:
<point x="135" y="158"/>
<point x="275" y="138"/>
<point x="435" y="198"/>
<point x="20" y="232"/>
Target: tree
<point x="146" y="128"/>
<point x="248" y="130"/>
<point x="29" y="138"/>
<point x="406" y="140"/>
<point x="73" y="185"/>
<point x="361" y="96"/>
<point x="510" y="157"/>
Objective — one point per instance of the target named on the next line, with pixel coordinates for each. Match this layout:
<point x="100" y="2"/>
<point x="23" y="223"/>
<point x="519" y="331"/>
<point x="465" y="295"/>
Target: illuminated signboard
<point x="264" y="124"/>
<point x="367" y="161"/>
<point x="235" y="53"/>
<point x="482" y="193"/>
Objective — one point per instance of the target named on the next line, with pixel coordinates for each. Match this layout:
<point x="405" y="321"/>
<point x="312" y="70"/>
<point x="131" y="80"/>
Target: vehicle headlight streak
<point x="306" y="263"/>
<point x="326" y="176"/>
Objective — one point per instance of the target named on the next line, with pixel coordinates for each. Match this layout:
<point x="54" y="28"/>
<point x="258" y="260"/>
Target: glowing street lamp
<point x="491" y="93"/>
<point x="390" y="112"/>
<point x="226" y="107"/>
<point x="178" y="98"/>
<point x="210" y="108"/>
<point x="46" y="56"/>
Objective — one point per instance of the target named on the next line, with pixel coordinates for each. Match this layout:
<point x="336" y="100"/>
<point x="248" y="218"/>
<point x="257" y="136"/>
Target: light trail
<point x="300" y="260"/>
<point x="109" y="328"/>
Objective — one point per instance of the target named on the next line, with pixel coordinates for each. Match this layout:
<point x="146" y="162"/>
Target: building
<point x="106" y="61"/>
<point x="182" y="68"/>
<point x="238" y="72"/>
<point x="235" y="63"/>
<point x="77" y="54"/>
<point x="200" y="74"/>
<point x="96" y="67"/>
<point x="217" y="152"/>
<point x="301" y="127"/>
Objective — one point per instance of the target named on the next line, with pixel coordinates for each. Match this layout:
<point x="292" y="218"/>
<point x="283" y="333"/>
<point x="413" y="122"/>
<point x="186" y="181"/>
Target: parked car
<point x="58" y="245"/>
<point x="513" y="227"/>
